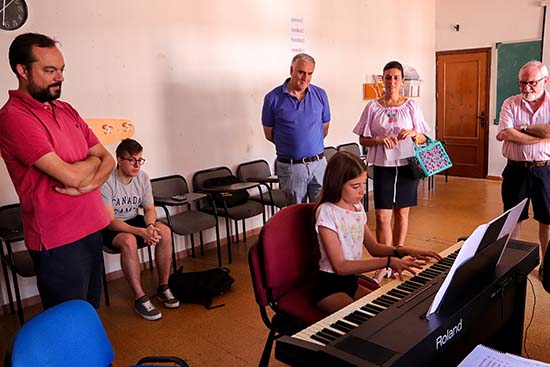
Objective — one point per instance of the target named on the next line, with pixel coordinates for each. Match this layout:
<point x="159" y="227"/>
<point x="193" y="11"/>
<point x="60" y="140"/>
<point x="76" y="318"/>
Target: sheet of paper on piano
<point x="470" y="247"/>
<point x="511" y="221"/>
<point x="467" y="251"/>
<point x="483" y="356"/>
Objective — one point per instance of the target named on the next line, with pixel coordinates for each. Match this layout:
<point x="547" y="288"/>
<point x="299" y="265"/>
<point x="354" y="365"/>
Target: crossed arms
<point x="79" y="177"/>
<point x="532" y="135"/>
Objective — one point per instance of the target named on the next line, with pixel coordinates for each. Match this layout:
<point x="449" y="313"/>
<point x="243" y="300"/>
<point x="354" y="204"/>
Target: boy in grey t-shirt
<point x="126" y="190"/>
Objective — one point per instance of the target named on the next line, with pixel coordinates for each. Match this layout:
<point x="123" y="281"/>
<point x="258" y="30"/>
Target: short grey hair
<point x="303" y="57"/>
<point x="543" y="70"/>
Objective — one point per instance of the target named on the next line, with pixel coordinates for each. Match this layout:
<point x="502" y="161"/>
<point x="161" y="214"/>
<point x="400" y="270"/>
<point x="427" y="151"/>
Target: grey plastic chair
<point x="329" y="152"/>
<point x="248" y="209"/>
<point x="172" y="191"/>
<point x="259" y="171"/>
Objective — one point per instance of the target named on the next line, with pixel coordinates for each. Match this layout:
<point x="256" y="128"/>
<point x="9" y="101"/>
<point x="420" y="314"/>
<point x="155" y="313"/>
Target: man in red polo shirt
<point x="56" y="164"/>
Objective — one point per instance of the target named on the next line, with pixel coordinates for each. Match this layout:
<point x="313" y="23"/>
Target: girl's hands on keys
<point x="419" y="253"/>
<point x="408" y="263"/>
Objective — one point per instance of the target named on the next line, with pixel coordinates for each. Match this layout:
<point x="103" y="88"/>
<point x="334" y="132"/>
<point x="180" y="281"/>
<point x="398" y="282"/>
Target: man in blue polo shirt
<point x="295" y="118"/>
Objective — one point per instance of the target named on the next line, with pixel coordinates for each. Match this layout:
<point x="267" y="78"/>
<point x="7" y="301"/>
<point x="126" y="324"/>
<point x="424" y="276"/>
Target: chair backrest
<point x="350" y="147"/>
<point x="288" y="249"/>
<point x="200" y="176"/>
<point x="257" y="168"/>
<point x="329" y="152"/>
<point x="168" y="186"/>
<point x="68" y="334"/>
<point x="11" y="221"/>
<point x="11" y="230"/>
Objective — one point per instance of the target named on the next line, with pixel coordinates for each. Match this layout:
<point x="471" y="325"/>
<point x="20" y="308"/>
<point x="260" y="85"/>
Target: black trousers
<point x="72" y="271"/>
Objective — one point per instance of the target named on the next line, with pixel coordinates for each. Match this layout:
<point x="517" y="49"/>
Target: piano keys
<point x="387" y="327"/>
<point x="357" y="313"/>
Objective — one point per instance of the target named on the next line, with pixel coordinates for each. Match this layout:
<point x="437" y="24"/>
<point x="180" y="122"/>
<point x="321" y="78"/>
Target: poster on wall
<point x="297" y="35"/>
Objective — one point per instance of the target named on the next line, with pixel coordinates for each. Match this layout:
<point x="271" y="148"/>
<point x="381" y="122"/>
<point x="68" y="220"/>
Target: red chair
<point x="283" y="265"/>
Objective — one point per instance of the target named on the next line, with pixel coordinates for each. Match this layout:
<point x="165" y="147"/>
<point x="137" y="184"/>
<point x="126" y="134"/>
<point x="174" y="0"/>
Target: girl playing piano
<point x="341" y="226"/>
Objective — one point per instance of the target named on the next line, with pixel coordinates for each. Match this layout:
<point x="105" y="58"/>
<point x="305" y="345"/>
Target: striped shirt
<point x="516" y="112"/>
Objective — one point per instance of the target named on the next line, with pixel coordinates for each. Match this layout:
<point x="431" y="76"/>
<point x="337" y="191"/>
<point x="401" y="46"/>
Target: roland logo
<point x="449" y="334"/>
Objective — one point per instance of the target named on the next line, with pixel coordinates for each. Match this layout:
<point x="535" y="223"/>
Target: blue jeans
<point x="301" y="181"/>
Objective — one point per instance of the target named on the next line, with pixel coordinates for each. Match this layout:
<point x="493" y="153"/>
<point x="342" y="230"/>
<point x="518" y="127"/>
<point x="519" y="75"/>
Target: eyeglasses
<point x="133" y="161"/>
<point x="532" y="83"/>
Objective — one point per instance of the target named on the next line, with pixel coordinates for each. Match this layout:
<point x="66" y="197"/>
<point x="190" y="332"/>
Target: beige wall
<point x="483" y="24"/>
<point x="191" y="75"/>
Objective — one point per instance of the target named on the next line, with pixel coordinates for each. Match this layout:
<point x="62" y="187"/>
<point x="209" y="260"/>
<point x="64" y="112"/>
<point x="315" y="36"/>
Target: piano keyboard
<point x="357" y="313"/>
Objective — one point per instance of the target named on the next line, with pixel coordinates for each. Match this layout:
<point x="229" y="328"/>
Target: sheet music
<point x="404" y="149"/>
<point x="512" y="219"/>
<point x="483" y="356"/>
<point x="471" y="245"/>
<point x="467" y="251"/>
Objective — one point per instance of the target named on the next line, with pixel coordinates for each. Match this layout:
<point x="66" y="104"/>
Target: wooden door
<point x="463" y="109"/>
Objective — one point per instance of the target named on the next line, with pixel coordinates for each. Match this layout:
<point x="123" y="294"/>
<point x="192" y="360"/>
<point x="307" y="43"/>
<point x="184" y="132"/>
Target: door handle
<point x="482" y="119"/>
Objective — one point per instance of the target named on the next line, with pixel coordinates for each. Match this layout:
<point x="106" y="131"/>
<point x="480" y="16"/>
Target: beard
<point x="532" y="96"/>
<point x="44" y="94"/>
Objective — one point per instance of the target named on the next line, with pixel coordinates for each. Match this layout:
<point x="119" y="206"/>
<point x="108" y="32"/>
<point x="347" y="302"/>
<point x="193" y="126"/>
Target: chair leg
<point x="218" y="247"/>
<point x="236" y="231"/>
<point x="17" y="297"/>
<point x="106" y="286"/>
<point x="244" y="231"/>
<point x="201" y="243"/>
<point x="15" y="284"/>
<point x="174" y="264"/>
<point x="192" y="245"/>
<point x="228" y="239"/>
<point x="266" y="354"/>
<point x="5" y="271"/>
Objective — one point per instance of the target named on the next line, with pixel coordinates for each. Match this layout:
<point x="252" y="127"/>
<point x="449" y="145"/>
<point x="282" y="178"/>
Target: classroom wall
<point x="191" y="75"/>
<point x="483" y="24"/>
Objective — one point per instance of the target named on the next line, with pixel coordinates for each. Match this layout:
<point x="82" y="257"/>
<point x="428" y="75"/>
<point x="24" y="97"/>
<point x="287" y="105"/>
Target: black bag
<point x="232" y="198"/>
<point x="200" y="286"/>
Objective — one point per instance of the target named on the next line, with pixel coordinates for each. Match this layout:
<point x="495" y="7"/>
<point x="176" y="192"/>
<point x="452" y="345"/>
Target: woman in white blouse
<point x="388" y="127"/>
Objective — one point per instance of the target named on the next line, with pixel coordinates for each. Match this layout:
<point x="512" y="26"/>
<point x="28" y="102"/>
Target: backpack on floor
<point x="200" y="286"/>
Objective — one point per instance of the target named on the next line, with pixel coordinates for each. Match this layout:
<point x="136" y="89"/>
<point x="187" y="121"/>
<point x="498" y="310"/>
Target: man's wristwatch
<point x="523" y="128"/>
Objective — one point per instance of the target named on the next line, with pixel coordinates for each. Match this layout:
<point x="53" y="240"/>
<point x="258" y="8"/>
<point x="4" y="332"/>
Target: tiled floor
<point x="234" y="335"/>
